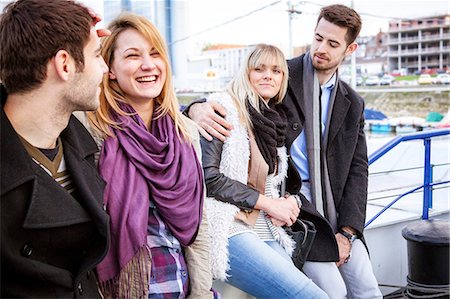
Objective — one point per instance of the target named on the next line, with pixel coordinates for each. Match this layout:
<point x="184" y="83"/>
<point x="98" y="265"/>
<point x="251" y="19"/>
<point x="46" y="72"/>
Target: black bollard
<point x="428" y="258"/>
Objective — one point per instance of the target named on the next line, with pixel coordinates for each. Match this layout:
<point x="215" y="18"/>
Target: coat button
<point x="295" y="126"/>
<point x="27" y="250"/>
<point x="80" y="288"/>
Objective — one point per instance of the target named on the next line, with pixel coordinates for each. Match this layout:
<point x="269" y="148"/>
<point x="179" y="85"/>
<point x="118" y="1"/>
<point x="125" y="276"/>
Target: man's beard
<point x="328" y="65"/>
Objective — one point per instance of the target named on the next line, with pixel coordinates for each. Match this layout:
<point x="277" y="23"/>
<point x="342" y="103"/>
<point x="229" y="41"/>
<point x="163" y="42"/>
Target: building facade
<point x="419" y="45"/>
<point x="370" y="58"/>
<point x="216" y="66"/>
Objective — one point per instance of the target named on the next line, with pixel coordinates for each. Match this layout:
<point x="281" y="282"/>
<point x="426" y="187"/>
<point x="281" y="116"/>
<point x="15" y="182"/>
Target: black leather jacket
<point x="218" y="185"/>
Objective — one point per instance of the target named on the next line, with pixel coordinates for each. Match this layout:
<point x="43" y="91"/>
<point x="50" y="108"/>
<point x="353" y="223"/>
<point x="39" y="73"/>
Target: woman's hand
<point x="284" y="211"/>
<point x="277" y="222"/>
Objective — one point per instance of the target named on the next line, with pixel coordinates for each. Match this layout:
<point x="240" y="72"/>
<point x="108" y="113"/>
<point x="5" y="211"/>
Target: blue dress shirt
<point x="298" y="149"/>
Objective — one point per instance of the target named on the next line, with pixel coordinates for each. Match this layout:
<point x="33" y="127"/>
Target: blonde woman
<point x="250" y="249"/>
<point x="154" y="192"/>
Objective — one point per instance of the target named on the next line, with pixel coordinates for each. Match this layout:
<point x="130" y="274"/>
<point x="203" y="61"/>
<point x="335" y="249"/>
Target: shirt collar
<point x="330" y="84"/>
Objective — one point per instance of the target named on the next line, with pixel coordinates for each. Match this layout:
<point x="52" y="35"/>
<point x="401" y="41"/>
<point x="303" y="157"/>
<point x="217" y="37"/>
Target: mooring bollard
<point x="428" y="258"/>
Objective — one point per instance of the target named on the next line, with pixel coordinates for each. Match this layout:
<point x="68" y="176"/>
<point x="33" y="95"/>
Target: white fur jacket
<point x="234" y="165"/>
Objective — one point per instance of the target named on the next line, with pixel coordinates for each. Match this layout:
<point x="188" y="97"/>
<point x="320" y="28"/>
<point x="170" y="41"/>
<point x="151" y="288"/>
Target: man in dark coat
<point x="54" y="230"/>
<point x="328" y="155"/>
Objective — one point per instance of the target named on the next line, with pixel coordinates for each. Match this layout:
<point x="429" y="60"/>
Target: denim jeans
<point x="264" y="270"/>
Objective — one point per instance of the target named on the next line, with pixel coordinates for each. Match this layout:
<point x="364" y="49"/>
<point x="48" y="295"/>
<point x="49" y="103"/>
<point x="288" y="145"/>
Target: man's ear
<point x="63" y="64"/>
<point x="351" y="48"/>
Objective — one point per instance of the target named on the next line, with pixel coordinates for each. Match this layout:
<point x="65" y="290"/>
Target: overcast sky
<point x="254" y="21"/>
<point x="271" y="24"/>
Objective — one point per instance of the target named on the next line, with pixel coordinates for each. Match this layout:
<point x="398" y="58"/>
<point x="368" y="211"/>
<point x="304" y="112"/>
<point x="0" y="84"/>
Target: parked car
<point x="443" y="79"/>
<point x="387" y="80"/>
<point x="372" y="81"/>
<point x="425" y="79"/>
<point x="405" y="82"/>
<point x="359" y="80"/>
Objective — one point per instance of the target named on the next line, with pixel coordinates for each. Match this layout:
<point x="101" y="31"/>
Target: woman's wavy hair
<point x="111" y="94"/>
<point x="242" y="91"/>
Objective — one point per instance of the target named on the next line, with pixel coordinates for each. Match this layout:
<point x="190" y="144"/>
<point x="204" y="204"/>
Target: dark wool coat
<point x="50" y="241"/>
<point x="346" y="156"/>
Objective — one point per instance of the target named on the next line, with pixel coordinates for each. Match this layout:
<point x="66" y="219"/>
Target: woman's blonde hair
<point x="240" y="88"/>
<point x="112" y="94"/>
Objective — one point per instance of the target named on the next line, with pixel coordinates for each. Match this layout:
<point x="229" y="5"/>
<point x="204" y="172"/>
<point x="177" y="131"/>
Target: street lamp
<point x="292" y="11"/>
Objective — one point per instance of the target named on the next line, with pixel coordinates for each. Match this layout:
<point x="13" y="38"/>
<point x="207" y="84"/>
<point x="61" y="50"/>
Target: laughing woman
<point x="154" y="192"/>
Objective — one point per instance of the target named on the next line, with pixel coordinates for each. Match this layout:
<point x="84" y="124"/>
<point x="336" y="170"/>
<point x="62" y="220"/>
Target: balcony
<point x="415" y="27"/>
<point x="417" y="52"/>
<point x="432" y="37"/>
<point x="416" y="39"/>
<point x="413" y="65"/>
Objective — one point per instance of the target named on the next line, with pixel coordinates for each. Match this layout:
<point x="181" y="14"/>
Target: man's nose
<point x="322" y="47"/>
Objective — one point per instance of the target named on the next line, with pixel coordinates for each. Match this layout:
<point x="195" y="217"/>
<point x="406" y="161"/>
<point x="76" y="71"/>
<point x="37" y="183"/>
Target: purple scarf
<point x="139" y="166"/>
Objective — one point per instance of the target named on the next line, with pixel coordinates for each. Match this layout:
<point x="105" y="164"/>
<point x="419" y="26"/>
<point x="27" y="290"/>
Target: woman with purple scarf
<point x="154" y="181"/>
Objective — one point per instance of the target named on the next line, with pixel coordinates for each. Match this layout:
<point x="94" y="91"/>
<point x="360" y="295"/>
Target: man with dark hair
<point x="54" y="230"/>
<point x="328" y="155"/>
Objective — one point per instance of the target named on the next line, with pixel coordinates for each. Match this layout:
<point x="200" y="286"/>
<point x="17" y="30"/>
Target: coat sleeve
<point x="198" y="263"/>
<point x="197" y="254"/>
<point x="220" y="186"/>
<point x="352" y="211"/>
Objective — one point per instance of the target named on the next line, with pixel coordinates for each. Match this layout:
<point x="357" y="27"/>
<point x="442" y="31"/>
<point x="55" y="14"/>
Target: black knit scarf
<point x="269" y="128"/>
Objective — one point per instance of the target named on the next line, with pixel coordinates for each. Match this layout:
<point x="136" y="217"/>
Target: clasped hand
<point x="284" y="211"/>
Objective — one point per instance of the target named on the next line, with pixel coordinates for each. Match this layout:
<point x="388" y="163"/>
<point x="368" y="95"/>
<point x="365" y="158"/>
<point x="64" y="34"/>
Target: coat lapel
<point x="90" y="190"/>
<point x="340" y="109"/>
<point x="296" y="71"/>
<point x="49" y="204"/>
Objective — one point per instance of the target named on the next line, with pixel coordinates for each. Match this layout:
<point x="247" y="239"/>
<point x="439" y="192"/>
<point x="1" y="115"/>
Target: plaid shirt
<point x="169" y="276"/>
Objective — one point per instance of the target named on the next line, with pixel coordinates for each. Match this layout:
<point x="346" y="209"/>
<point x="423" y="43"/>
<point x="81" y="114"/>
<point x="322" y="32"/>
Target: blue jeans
<point x="264" y="270"/>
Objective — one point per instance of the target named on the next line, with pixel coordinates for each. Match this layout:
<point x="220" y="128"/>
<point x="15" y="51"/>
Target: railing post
<point x="431" y="182"/>
<point x="426" y="179"/>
